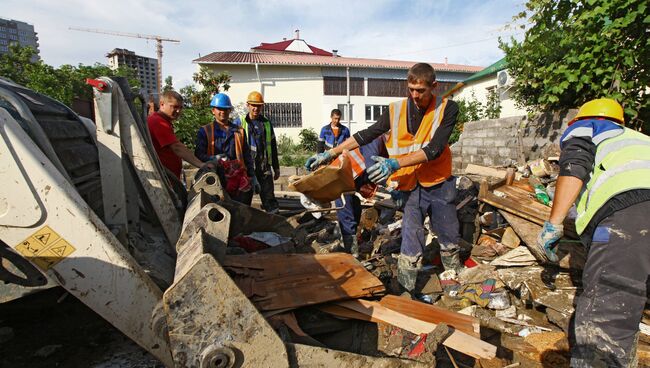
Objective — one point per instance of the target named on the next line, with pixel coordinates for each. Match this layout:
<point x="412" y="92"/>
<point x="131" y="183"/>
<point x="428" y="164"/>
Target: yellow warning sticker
<point x="45" y="248"/>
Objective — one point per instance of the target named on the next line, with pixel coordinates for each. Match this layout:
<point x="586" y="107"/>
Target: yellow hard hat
<point x="601" y="108"/>
<point x="255" y="98"/>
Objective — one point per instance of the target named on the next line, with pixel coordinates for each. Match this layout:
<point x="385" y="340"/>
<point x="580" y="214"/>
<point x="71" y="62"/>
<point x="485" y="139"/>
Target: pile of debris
<point x="507" y="308"/>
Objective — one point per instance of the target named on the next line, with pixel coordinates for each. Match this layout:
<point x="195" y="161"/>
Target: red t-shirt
<point x="162" y="135"/>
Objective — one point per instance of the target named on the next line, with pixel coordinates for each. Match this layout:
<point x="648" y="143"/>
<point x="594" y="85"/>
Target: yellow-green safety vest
<point x="267" y="131"/>
<point x="622" y="163"/>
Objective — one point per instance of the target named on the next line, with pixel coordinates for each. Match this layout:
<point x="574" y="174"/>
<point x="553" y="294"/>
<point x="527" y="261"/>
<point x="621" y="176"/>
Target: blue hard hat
<point x="221" y="101"/>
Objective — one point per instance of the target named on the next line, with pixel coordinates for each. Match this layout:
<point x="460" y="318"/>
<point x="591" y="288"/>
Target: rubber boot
<point x="407" y="274"/>
<point x="451" y="260"/>
<point x="351" y="245"/>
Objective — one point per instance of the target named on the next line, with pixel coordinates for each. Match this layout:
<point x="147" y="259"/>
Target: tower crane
<point x="159" y="47"/>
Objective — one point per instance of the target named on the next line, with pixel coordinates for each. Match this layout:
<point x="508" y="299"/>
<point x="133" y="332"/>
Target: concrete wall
<point x="509" y="141"/>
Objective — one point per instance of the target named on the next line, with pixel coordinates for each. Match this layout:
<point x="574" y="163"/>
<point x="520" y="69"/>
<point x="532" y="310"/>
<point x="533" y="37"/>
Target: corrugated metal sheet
<point x="238" y="57"/>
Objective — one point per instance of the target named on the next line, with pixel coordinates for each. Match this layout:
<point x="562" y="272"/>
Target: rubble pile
<point x="506" y="308"/>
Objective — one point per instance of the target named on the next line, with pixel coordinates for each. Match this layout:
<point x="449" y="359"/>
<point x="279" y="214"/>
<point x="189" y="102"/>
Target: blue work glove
<point x="382" y="169"/>
<point x="257" y="188"/>
<point x="317" y="160"/>
<point x="547" y="240"/>
<point x="398" y="196"/>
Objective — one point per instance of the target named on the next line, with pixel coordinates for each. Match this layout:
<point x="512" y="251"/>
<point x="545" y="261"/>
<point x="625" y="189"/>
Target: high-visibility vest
<point x="239" y="143"/>
<point x="253" y="142"/>
<point x="622" y="163"/>
<point x="401" y="143"/>
<point x="357" y="162"/>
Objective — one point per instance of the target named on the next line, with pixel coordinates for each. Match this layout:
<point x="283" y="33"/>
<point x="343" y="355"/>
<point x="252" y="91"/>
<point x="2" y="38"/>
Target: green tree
<point x="575" y="51"/>
<point x="308" y="139"/>
<point x="196" y="112"/>
<point x="64" y="83"/>
<point x="169" y="85"/>
<point x="492" y="108"/>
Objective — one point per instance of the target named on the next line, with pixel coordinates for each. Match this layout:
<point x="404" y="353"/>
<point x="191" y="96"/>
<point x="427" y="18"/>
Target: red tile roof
<point x="237" y="57"/>
<point x="282" y="46"/>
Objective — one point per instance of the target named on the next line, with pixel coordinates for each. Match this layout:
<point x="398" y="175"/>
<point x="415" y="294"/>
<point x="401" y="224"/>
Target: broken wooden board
<point x="545" y="286"/>
<point x="280" y="281"/>
<point x="458" y="340"/>
<point x="515" y="200"/>
<point x="431" y="313"/>
<point x="510" y="238"/>
<point x="571" y="255"/>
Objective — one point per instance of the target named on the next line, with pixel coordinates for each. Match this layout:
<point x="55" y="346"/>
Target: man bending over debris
<point x="606" y="167"/>
<point x="419" y="169"/>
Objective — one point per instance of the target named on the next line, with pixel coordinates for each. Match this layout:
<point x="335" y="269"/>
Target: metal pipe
<point x="259" y="79"/>
<point x="347" y="77"/>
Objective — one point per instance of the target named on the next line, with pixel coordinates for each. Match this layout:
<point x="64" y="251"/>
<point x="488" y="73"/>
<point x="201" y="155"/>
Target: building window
<point x="387" y="87"/>
<point x="13" y="37"/>
<point x="373" y="112"/>
<point x="337" y="86"/>
<point x="13" y="31"/>
<point x="284" y="114"/>
<point x="3" y="42"/>
<point x="4" y="48"/>
<point x="344" y="111"/>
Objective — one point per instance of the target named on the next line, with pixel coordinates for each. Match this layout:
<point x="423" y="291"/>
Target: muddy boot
<point x="407" y="275"/>
<point x="451" y="260"/>
<point x="351" y="245"/>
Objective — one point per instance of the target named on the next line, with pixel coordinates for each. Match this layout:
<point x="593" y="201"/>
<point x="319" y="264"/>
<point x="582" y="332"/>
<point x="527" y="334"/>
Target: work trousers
<point x="267" y="194"/>
<point x="614" y="281"/>
<point x="350" y="215"/>
<point x="437" y="203"/>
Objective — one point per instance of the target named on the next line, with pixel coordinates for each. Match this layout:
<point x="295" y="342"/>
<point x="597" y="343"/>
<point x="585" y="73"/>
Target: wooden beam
<point x="458" y="340"/>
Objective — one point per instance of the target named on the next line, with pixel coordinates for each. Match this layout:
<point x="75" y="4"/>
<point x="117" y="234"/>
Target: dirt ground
<point x="50" y="332"/>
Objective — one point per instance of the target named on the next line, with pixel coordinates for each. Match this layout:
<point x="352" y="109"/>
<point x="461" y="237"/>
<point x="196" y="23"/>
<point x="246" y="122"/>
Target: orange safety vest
<point x="357" y="162"/>
<point x="239" y="143"/>
<point x="401" y="143"/>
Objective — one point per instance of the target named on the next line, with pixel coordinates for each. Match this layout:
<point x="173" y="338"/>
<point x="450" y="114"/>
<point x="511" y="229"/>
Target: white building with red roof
<point x="301" y="83"/>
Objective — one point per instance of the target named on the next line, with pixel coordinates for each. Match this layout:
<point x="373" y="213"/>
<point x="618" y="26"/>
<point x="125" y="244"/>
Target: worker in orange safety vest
<point x="419" y="168"/>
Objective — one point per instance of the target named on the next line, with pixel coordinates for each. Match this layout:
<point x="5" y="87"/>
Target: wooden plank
<point x="514" y="204"/>
<point x="458" y="340"/>
<point x="571" y="255"/>
<point x="485" y="171"/>
<point x="433" y="314"/>
<point x="280" y="281"/>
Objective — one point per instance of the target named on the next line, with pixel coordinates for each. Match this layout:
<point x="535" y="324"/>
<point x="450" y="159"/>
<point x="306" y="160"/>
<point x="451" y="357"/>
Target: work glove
<point x="547" y="240"/>
<point x="219" y="157"/>
<point x="399" y="197"/>
<point x="276" y="174"/>
<point x="382" y="169"/>
<point x="257" y="188"/>
<point x="318" y="159"/>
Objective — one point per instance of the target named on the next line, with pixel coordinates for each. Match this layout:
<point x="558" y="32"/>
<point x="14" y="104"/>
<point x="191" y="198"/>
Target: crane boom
<point x="159" y="48"/>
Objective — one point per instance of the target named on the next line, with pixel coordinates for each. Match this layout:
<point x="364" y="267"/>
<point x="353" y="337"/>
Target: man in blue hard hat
<point x="223" y="140"/>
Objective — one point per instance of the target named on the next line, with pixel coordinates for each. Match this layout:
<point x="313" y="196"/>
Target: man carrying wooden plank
<point x="606" y="168"/>
<point x="419" y="168"/>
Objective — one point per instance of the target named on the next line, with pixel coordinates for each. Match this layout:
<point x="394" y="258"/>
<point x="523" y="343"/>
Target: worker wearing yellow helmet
<point x="264" y="149"/>
<point x="605" y="167"/>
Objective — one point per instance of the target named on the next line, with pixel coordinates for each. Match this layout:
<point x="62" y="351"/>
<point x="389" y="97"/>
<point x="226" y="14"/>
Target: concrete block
<point x="470" y="150"/>
<point x="481" y="133"/>
<point x="288" y="171"/>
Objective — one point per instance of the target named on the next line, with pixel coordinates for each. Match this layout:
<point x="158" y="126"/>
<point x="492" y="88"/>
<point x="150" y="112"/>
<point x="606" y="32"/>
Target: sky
<point x="464" y="32"/>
